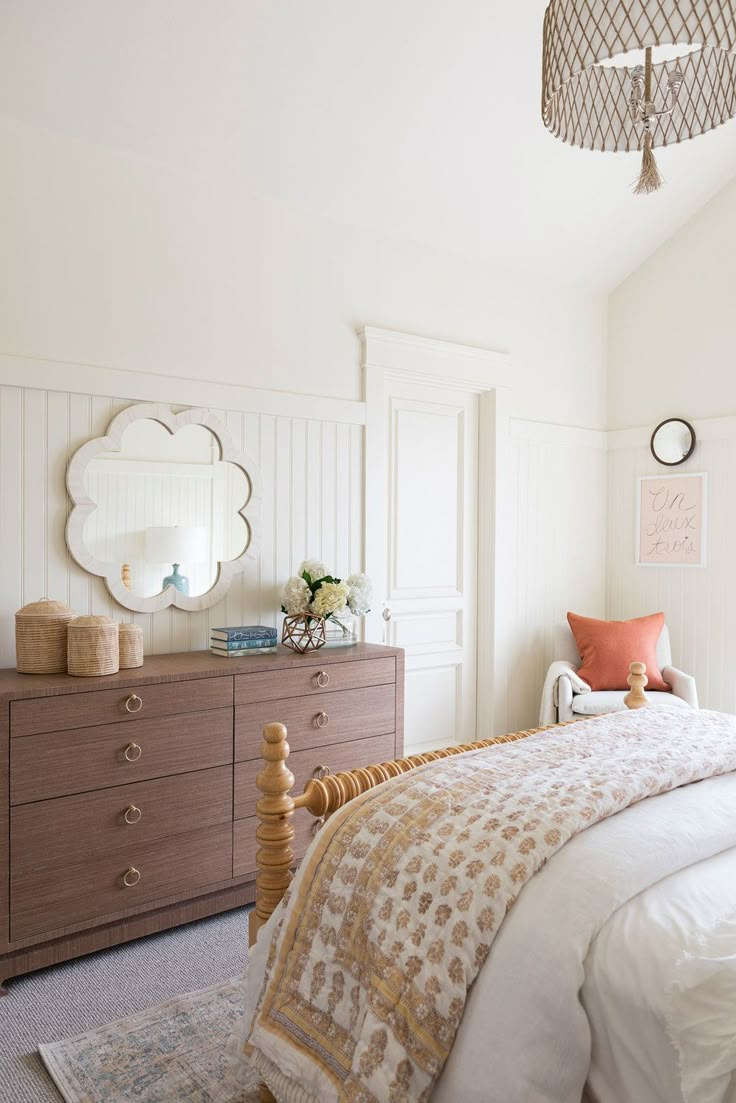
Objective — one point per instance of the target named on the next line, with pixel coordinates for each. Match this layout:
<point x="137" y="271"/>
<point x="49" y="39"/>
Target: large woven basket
<point x="92" y="647"/>
<point x="131" y="646"/>
<point x="40" y="637"/>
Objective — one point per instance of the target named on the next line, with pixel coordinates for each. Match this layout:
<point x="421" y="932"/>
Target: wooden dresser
<point x="129" y="801"/>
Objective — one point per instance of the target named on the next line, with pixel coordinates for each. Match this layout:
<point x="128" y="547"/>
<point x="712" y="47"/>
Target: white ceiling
<point x="416" y="117"/>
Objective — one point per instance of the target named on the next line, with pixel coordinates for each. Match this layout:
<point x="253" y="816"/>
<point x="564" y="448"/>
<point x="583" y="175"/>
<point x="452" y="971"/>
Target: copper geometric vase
<point x="303" y="633"/>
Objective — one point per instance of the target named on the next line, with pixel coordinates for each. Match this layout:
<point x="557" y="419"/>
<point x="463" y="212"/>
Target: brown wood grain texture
<point x="73" y="829"/>
<point x="319" y="720"/>
<point x="55" y="764"/>
<point x="111" y="706"/>
<point x="43" y="899"/>
<point x="328" y="677"/>
<point x="135" y="926"/>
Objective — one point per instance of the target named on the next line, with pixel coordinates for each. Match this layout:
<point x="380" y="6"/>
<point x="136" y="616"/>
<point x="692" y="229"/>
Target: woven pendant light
<point x="595" y="98"/>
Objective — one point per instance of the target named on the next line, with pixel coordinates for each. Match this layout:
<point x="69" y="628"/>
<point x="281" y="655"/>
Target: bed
<point x="536" y="919"/>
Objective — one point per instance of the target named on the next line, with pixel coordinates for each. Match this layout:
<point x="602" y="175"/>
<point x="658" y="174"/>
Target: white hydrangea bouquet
<point x="312" y="597"/>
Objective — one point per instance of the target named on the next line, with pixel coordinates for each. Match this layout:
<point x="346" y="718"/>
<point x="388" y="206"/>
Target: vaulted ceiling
<point x="416" y="117"/>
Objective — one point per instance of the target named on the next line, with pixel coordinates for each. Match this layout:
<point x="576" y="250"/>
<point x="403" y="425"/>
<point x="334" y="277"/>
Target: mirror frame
<point x="669" y="421"/>
<point x="83" y="506"/>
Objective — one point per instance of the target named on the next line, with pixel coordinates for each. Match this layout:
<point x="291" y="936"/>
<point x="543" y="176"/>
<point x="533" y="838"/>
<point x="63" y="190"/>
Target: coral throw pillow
<point x="608" y="647"/>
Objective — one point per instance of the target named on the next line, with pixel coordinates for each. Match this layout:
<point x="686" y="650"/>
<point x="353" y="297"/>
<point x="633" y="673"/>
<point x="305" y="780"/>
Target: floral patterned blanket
<point x="398" y="902"/>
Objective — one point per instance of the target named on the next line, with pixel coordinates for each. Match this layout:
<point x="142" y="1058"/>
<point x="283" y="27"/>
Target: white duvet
<point x="526" y="1034"/>
<point x="660" y="991"/>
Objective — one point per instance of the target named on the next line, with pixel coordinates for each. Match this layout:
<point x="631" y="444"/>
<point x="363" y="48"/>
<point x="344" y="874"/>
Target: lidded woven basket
<point x="93" y="647"/>
<point x="131" y="646"/>
<point x="41" y="635"/>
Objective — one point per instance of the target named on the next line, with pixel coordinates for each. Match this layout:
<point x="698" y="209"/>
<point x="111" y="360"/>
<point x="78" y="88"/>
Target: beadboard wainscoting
<point x="699" y="603"/>
<point x="311" y="456"/>
<point x="312" y="471"/>
<point x="558" y="535"/>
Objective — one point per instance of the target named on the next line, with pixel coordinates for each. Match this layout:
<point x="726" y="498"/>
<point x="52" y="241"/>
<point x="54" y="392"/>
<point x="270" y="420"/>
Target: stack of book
<point x="237" y="643"/>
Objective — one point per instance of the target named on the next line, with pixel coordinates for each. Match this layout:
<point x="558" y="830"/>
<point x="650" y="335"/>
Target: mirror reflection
<point x="673" y="442"/>
<point x="167" y="509"/>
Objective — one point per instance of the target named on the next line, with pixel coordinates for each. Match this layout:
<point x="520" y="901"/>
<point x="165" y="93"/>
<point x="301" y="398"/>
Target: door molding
<point x="391" y="355"/>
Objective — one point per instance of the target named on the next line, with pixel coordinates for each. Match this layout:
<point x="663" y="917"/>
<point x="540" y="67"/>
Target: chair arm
<point x="683" y="685"/>
<point x="564" y="699"/>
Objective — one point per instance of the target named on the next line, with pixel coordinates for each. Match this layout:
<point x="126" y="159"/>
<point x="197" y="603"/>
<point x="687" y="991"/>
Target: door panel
<point x="425" y="444"/>
<point x="428" y="570"/>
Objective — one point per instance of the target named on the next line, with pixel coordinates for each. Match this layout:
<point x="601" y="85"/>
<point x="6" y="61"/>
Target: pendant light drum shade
<point x="589" y="105"/>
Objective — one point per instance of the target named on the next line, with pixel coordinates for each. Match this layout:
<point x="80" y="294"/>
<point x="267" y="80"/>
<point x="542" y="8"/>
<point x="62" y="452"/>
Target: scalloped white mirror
<point x="165" y="508"/>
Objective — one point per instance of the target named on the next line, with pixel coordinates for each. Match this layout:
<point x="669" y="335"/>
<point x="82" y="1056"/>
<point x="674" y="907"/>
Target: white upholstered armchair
<point x="562" y="699"/>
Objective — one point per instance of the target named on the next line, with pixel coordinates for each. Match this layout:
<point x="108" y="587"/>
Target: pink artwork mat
<point x="672" y="521"/>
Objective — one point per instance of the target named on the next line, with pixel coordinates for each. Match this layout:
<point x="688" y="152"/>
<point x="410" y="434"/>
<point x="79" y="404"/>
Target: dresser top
<point x="183" y="666"/>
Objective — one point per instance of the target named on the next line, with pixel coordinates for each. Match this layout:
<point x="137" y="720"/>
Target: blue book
<point x="245" y="632"/>
<point x="244" y="652"/>
<point x="242" y="645"/>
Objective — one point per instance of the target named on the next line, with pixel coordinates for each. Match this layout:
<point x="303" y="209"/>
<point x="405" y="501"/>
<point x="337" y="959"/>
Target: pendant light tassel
<point x="650" y="178"/>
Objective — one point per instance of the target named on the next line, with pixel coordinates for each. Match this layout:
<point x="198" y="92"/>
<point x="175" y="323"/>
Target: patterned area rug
<point x="180" y="1050"/>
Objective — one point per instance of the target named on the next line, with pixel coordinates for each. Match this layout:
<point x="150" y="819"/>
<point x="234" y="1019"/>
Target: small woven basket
<point x="131" y="646"/>
<point x="40" y="637"/>
<point x="92" y="647"/>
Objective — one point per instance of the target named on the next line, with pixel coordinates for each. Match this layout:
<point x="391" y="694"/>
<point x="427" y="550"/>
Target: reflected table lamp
<point x="178" y="545"/>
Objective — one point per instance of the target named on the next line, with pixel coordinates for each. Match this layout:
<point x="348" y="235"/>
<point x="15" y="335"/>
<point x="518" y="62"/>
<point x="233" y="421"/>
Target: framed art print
<point x="672" y="521"/>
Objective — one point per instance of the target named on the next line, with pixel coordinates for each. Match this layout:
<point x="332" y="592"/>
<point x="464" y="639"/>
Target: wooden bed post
<point x="275" y="832"/>
<point x="636" y="698"/>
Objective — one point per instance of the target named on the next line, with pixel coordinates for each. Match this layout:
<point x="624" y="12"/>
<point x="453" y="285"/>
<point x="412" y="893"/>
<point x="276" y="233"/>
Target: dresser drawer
<point x="245" y="846"/>
<point x="49" y="899"/>
<point x="328" y="678"/>
<point x="72" y="829"/>
<point x="106" y="706"/>
<point x="303" y="764"/>
<point x="54" y="765"/>
<point x="317" y="721"/>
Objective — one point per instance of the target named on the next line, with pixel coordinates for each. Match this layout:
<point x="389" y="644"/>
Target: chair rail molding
<point x="141" y="386"/>
<point x="390" y="356"/>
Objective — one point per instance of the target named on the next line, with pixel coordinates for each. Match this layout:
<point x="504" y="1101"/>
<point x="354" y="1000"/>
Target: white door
<point x="421" y="550"/>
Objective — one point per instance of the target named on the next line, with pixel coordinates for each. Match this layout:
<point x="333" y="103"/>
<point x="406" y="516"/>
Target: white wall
<point x="114" y="260"/>
<point x="558" y="535"/>
<point x="671" y="326"/>
<point x="118" y="262"/>
<point x="670" y="354"/>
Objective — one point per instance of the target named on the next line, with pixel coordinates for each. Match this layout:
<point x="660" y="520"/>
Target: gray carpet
<point x="91" y="991"/>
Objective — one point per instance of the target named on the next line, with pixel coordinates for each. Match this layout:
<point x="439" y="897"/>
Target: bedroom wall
<point x="670" y="335"/>
<point x="117" y="263"/>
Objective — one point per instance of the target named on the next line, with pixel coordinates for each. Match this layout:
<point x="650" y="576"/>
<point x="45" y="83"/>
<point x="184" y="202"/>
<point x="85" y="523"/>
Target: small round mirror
<point x="673" y="442"/>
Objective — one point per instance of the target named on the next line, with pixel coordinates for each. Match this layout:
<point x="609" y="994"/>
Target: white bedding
<point x="653" y="1009"/>
<point x="525" y="1036"/>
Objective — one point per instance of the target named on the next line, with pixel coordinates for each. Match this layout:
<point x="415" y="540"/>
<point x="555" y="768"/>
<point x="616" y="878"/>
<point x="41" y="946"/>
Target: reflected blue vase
<point x="180" y="582"/>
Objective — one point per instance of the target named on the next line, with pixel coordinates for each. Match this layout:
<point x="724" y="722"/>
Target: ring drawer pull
<point x="322" y="679"/>
<point x="133" y="752"/>
<point x="318" y="825"/>
<point x="134" y="703"/>
<point x="133" y="814"/>
<point x="321" y="771"/>
<point x="131" y="877"/>
<point x="321" y="719"/>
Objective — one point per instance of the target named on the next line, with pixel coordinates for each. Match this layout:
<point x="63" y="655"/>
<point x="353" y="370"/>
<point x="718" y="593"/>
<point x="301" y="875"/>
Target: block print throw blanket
<point x="397" y="904"/>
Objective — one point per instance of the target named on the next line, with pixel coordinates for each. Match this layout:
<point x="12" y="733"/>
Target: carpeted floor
<point x="91" y="991"/>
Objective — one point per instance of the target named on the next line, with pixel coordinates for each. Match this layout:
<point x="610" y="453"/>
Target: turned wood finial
<point x="636" y="698"/>
<point x="275" y="832"/>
